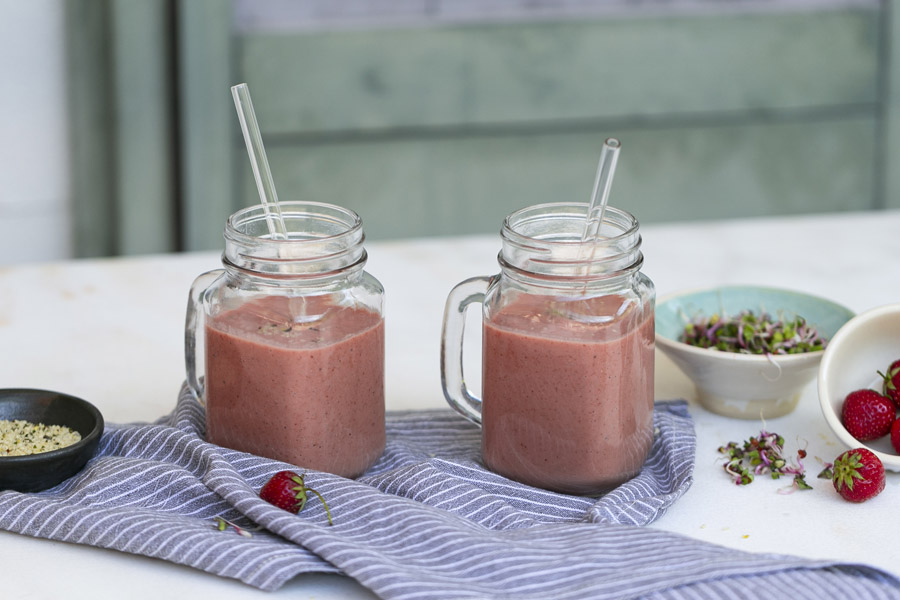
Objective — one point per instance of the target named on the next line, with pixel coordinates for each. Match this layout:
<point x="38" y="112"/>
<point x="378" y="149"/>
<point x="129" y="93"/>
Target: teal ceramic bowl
<point x="743" y="385"/>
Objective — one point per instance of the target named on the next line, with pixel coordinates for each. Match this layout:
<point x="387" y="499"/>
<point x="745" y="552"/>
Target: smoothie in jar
<point x="299" y="380"/>
<point x="568" y="391"/>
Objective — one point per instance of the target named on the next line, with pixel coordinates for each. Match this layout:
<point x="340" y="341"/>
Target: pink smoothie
<point x="568" y="405"/>
<point x="298" y="381"/>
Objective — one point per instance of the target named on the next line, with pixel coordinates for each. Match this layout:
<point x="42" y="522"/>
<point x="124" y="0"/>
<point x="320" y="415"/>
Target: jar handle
<point x="452" y="380"/>
<point x="193" y="321"/>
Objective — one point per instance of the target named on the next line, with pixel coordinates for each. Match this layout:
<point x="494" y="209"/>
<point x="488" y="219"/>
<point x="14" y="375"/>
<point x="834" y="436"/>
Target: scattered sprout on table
<point x="763" y="455"/>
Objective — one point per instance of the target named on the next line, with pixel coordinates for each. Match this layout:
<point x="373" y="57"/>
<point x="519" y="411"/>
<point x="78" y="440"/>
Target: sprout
<point x="763" y="455"/>
<point x="222" y="524"/>
<point x="749" y="333"/>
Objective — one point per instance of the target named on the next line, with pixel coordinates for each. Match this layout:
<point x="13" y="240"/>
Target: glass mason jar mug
<point x="293" y="341"/>
<point x="568" y="351"/>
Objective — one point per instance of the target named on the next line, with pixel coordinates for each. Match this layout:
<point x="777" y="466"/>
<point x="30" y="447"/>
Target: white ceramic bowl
<point x="742" y="385"/>
<point x="868" y="343"/>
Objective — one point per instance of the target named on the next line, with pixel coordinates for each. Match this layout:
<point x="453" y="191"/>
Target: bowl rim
<point x="712" y="353"/>
<point x="825" y="401"/>
<point x="92" y="436"/>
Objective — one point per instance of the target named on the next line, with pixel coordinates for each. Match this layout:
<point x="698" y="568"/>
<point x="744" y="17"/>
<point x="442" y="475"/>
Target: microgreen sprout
<point x="751" y="333"/>
<point x="222" y="524"/>
<point x="763" y="455"/>
<point x="827" y="471"/>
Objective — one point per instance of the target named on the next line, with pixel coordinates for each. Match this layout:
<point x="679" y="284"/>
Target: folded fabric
<point x="427" y="521"/>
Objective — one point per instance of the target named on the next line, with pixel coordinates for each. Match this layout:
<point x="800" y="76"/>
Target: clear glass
<point x="293" y="341"/>
<point x="568" y="345"/>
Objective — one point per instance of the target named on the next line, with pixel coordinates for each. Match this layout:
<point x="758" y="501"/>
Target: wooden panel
<point x="560" y="71"/>
<point x="208" y="121"/>
<point x="89" y="106"/>
<point x="890" y="174"/>
<point x="122" y="126"/>
<point x="144" y="126"/>
<point x="458" y="185"/>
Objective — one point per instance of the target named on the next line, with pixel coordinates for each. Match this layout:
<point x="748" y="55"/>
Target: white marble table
<point x="111" y="331"/>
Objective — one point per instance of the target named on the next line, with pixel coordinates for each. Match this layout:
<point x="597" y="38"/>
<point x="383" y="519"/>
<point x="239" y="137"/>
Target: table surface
<point x="111" y="331"/>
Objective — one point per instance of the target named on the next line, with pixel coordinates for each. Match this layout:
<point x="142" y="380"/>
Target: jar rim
<point x="294" y="210"/>
<point x="544" y="242"/>
<point x="321" y="239"/>
<point x="626" y="223"/>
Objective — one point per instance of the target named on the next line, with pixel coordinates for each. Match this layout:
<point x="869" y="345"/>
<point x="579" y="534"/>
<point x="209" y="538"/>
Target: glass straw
<point x="606" y="168"/>
<point x="258" y="161"/>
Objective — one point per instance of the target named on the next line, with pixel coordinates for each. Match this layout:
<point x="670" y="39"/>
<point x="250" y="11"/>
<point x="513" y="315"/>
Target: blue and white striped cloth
<point x="427" y="521"/>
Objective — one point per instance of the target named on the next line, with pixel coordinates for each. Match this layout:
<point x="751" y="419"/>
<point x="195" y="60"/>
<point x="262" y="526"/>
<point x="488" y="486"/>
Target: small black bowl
<point x="36" y="472"/>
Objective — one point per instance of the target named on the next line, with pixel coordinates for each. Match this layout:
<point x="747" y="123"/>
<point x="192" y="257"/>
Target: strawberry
<point x="892" y="382"/>
<point x="858" y="475"/>
<point x="867" y="415"/>
<point x="288" y="491"/>
<point x="285" y="490"/>
<point x="895" y="435"/>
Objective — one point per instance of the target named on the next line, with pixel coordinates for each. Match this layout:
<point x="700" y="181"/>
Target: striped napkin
<point x="427" y="521"/>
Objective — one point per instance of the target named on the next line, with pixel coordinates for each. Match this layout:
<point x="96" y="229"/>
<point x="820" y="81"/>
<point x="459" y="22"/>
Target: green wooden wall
<point x="552" y="73"/>
<point x="444" y="129"/>
<point x="123" y="127"/>
<point x="468" y="184"/>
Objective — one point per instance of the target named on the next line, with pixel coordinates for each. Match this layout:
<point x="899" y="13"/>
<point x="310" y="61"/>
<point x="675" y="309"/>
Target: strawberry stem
<point x="846" y="469"/>
<point x="302" y="496"/>
<point x="325" y="504"/>
<point x="300" y="492"/>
